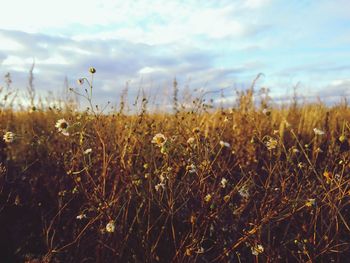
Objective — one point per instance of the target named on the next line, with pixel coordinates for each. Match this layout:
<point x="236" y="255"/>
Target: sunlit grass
<point x="245" y="184"/>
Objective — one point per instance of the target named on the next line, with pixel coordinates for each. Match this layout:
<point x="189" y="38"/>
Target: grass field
<point x="247" y="183"/>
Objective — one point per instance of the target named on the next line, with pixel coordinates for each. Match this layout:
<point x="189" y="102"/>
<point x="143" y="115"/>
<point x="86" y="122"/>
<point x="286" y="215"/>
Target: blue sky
<point x="206" y="45"/>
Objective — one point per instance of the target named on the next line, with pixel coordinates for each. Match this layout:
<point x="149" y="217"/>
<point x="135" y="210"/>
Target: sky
<point x="205" y="45"/>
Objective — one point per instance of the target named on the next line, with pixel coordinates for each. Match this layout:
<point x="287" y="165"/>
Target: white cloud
<point x="8" y="44"/>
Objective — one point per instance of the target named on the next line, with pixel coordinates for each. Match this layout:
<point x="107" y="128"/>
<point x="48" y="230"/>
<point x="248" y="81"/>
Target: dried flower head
<point x="9" y="137"/>
<point x="80" y="81"/>
<point x="92" y="70"/>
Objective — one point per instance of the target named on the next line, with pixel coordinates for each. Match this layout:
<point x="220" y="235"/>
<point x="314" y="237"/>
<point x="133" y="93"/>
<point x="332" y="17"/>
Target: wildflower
<point x="159" y="186"/>
<point x="318" y="150"/>
<point x="207" y="198"/>
<point x="62" y="126"/>
<point x="318" y="131"/>
<point x="81" y="216"/>
<point x="266" y="112"/>
<point x="328" y="176"/>
<point x="92" y="70"/>
<point x="271" y="144"/>
<point x="110" y="227"/>
<point x="244" y="192"/>
<point x="310" y="202"/>
<point x="295" y="150"/>
<point x="75" y="190"/>
<point x="9" y="137"/>
<point x="80" y="81"/>
<point x="224" y="144"/>
<point x="223" y="182"/>
<point x="190" y="140"/>
<point x="159" y="140"/>
<point x="257" y="249"/>
<point x="226" y="198"/>
<point x="196" y="130"/>
<point x="191" y="168"/>
<point x="87" y="151"/>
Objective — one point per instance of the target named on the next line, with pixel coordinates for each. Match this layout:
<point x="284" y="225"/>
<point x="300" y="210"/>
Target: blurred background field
<point x="253" y="181"/>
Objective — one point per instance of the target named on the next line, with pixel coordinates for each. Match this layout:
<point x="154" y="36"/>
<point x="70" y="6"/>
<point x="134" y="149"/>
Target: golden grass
<point x="239" y="185"/>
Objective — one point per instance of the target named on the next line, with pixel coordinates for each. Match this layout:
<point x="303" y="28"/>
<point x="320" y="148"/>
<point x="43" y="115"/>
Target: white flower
<point x="318" y="131"/>
<point x="81" y="216"/>
<point x="266" y="112"/>
<point x="223" y="182"/>
<point x="159" y="139"/>
<point x="159" y="186"/>
<point x="87" y="151"/>
<point x="110" y="227"/>
<point x="191" y="140"/>
<point x="244" y="192"/>
<point x="271" y="144"/>
<point x="9" y="137"/>
<point x="224" y="144"/>
<point x="191" y="168"/>
<point x="257" y="249"/>
<point x="62" y="126"/>
<point x="207" y="198"/>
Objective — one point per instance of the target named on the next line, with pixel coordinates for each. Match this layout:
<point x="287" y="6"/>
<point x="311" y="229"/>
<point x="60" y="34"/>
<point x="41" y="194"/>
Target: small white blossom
<point x="224" y="144"/>
<point x="159" y="139"/>
<point x="271" y="144"/>
<point x="9" y="137"/>
<point x="87" y="151"/>
<point x="62" y="126"/>
<point x="257" y="249"/>
<point x="191" y="140"/>
<point x="266" y="112"/>
<point x="207" y="198"/>
<point x="191" y="168"/>
<point x="318" y="131"/>
<point x="159" y="186"/>
<point x="244" y="192"/>
<point x="81" y="216"/>
<point x="223" y="182"/>
<point x="110" y="227"/>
